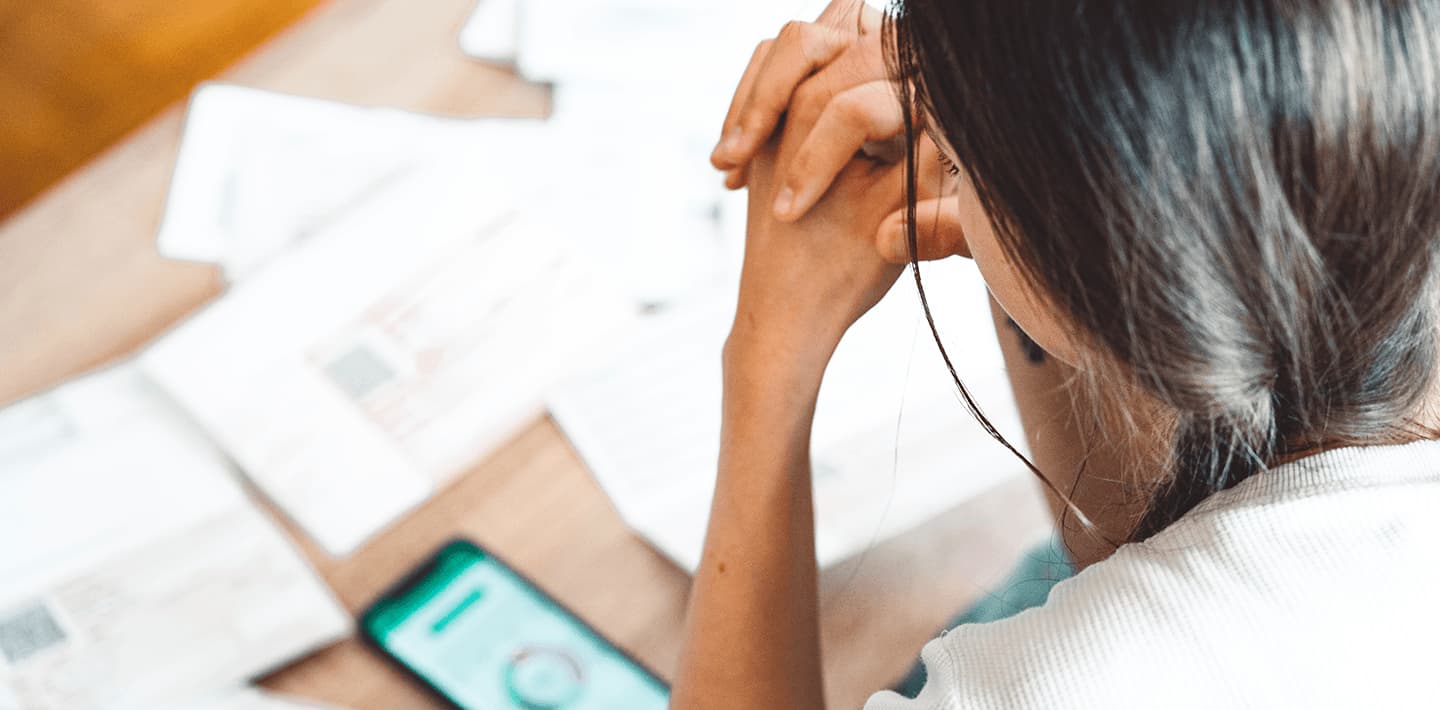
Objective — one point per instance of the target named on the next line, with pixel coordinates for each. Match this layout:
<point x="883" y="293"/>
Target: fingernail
<point x="784" y="201"/>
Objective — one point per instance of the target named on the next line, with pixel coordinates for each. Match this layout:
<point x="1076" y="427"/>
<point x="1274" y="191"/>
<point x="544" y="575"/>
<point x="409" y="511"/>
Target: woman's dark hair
<point x="1236" y="201"/>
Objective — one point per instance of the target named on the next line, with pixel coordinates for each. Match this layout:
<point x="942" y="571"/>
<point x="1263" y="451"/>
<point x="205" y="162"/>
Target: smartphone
<point x="483" y="637"/>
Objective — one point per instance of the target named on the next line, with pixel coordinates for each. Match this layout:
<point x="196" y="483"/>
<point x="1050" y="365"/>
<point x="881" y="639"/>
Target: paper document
<point x="259" y="170"/>
<point x="683" y="42"/>
<point x="376" y="362"/>
<point x="646" y="199"/>
<point x="492" y="33"/>
<point x="892" y="445"/>
<point x="136" y="571"/>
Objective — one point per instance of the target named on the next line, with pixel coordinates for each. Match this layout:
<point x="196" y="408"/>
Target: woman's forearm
<point x="752" y="639"/>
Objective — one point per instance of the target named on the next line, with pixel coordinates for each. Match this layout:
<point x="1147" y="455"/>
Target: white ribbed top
<point x="1314" y="585"/>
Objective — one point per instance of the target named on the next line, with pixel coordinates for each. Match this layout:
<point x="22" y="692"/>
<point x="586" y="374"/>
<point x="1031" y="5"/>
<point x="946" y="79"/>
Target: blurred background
<point x="292" y="293"/>
<point x="78" y="75"/>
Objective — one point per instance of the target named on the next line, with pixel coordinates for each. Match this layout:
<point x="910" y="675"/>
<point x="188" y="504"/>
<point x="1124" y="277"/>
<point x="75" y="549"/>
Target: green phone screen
<point x="485" y="638"/>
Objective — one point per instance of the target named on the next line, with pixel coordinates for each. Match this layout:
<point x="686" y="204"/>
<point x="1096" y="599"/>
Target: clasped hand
<point x="825" y="233"/>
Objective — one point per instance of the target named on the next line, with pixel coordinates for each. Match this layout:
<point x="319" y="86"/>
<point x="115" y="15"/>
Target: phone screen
<point x="485" y="638"/>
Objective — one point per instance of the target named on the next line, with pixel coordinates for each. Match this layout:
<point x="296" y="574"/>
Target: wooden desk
<point x="81" y="284"/>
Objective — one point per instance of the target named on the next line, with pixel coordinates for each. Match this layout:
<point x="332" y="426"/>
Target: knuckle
<point x="758" y="121"/>
<point x="810" y="99"/>
<point x="852" y="109"/>
<point x="820" y="44"/>
<point x="792" y="31"/>
<point x="813" y="45"/>
<point x="756" y="115"/>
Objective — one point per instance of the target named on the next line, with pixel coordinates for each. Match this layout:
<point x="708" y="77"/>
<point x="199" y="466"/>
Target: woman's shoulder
<point x="1312" y="512"/>
<point x="1264" y="596"/>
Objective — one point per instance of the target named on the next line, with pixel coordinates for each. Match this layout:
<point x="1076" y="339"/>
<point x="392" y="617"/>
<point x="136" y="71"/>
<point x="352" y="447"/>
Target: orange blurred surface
<point x="78" y="75"/>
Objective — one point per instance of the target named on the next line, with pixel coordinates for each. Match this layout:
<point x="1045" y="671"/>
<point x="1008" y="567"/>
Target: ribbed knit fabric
<point x="1314" y="585"/>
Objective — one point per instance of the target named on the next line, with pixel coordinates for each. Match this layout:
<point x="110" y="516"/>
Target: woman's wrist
<point x="767" y="410"/>
<point x="773" y="375"/>
<point x="757" y="359"/>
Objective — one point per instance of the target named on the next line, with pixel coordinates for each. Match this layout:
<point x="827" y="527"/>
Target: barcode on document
<point x="27" y="631"/>
<point x="359" y="371"/>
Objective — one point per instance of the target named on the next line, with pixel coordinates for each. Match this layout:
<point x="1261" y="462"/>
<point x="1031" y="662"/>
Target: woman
<point x="1219" y="221"/>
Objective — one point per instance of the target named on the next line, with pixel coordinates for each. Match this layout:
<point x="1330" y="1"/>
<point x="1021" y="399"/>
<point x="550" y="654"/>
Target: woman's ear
<point x="939" y="233"/>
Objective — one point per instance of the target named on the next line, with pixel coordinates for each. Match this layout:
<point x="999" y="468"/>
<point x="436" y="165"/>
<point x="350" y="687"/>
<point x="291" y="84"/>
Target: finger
<point x="866" y="113"/>
<point x="742" y="93"/>
<point x="939" y="233"/>
<point x="737" y="178"/>
<point x="800" y="50"/>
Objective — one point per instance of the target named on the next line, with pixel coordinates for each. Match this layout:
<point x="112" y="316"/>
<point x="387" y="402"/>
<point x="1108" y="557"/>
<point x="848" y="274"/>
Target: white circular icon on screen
<point x="543" y="678"/>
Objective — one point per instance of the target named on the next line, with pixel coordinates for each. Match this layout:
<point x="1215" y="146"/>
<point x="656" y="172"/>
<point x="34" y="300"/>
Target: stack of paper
<point x="444" y="272"/>
<point x="375" y="362"/>
<point x="259" y="172"/>
<point x="138" y="573"/>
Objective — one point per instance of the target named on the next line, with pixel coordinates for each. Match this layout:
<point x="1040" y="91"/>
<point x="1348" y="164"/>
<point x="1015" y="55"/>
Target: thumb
<point x="938" y="232"/>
